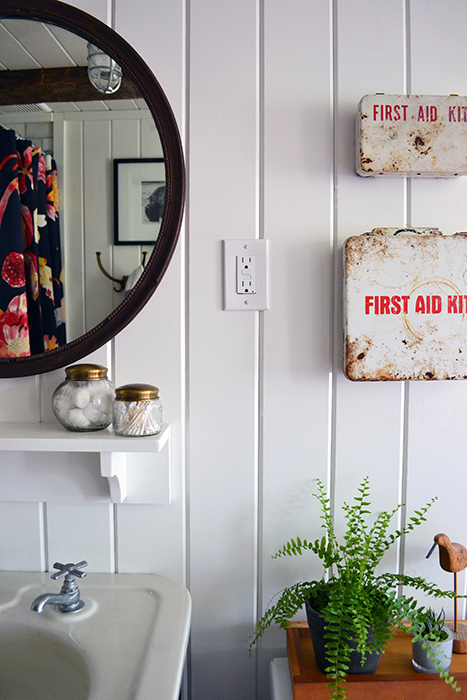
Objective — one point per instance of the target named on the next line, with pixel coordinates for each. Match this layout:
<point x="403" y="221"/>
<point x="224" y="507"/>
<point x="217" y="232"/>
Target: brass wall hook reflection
<point x="121" y="282"/>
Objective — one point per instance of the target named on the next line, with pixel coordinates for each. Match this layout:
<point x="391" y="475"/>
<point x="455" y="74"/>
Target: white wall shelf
<point x="137" y="469"/>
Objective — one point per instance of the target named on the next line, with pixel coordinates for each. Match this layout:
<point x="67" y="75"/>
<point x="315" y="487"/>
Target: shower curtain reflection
<point x="32" y="316"/>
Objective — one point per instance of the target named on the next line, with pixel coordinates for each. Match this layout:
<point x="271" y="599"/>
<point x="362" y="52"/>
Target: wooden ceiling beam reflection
<point x="56" y="85"/>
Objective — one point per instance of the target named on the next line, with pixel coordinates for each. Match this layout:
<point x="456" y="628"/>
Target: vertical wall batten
<point x="187" y="689"/>
<point x="403" y="472"/>
<point x="43" y="529"/>
<point x="335" y="331"/>
<point x="186" y="293"/>
<point x="260" y="233"/>
<point x="408" y="49"/>
<point x="115" y="540"/>
<point x="111" y="12"/>
<point x="259" y="523"/>
<point x="405" y="392"/>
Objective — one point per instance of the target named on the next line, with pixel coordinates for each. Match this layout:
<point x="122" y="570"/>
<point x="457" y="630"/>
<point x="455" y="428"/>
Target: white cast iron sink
<point x="128" y="643"/>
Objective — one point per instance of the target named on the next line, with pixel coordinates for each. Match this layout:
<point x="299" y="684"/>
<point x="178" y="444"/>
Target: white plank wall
<point x="368" y="439"/>
<point x="265" y="94"/>
<point x="437" y="438"/>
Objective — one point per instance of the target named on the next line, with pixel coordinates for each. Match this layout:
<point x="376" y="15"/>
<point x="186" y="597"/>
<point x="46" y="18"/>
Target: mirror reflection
<point x="48" y="103"/>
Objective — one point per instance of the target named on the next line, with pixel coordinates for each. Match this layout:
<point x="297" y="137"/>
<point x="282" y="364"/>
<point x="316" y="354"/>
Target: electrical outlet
<point x="246" y="275"/>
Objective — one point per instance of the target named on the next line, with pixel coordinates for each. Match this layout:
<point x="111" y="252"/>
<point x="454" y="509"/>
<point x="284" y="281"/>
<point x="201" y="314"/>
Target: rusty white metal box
<point x="412" y="135"/>
<point x="405" y="305"/>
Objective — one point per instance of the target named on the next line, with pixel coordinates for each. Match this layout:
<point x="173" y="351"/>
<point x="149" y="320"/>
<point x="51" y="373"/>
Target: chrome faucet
<point x="68" y="600"/>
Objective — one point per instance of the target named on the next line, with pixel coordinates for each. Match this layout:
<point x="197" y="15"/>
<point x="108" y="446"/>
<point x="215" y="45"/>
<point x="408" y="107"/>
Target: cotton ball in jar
<point x="78" y="419"/>
<point x="95" y="416"/>
<point x="81" y="397"/>
<point x="83" y="401"/>
<point x="101" y="397"/>
<point x="64" y="402"/>
<point x="92" y="411"/>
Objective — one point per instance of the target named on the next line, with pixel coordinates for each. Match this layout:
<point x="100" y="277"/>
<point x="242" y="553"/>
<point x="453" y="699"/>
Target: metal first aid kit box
<point x="405" y="305"/>
<point x="412" y="135"/>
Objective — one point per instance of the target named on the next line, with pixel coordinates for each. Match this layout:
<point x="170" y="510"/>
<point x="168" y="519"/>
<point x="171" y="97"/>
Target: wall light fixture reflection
<point x="103" y="72"/>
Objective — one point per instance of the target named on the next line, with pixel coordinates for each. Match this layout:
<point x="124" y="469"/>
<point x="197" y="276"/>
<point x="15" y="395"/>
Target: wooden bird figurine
<point x="452" y="558"/>
<point x="452" y="555"/>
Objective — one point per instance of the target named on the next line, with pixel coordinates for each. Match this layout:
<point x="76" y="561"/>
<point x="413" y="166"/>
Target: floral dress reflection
<point x="14" y="323"/>
<point x="32" y="318"/>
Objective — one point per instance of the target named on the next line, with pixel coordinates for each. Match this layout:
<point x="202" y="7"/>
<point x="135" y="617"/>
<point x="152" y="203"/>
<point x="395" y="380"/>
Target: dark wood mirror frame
<point x="91" y="29"/>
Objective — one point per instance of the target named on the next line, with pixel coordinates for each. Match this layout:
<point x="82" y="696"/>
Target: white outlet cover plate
<point x="232" y="249"/>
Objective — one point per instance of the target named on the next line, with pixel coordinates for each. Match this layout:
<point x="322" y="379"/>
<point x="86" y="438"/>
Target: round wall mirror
<point x="117" y="166"/>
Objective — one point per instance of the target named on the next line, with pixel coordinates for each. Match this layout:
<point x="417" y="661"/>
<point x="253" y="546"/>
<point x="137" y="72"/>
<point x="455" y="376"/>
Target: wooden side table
<point x="395" y="678"/>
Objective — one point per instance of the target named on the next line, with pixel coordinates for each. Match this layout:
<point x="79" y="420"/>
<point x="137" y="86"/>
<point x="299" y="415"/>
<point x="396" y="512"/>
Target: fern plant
<point x="351" y="596"/>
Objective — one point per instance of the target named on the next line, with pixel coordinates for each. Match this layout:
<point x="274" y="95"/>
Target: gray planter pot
<point x="316" y="624"/>
<point x="441" y="650"/>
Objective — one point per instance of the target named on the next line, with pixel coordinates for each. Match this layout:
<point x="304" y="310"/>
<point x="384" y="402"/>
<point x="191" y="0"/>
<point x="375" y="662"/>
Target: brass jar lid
<point x="136" y="392"/>
<point x="86" y="372"/>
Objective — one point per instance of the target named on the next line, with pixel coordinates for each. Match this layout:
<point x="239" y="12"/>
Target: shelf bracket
<point x="113" y="467"/>
<point x="138" y="470"/>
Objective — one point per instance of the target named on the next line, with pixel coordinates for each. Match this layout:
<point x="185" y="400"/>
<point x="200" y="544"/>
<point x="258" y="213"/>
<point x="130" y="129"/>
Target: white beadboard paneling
<point x="222" y="349"/>
<point x="431" y="23"/>
<point x="72" y="226"/>
<point x="81" y="531"/>
<point x="152" y="539"/>
<point x="97" y="219"/>
<point x="91" y="146"/>
<point x="440" y="201"/>
<point x="298" y="327"/>
<point x="368" y="434"/>
<point x="151" y="146"/>
<point x="438" y="443"/>
<point x="437" y="449"/>
<point x="102" y="356"/>
<point x="76" y="477"/>
<point x="151" y="348"/>
<point x="21" y="541"/>
<point x="101" y="9"/>
<point x="126" y="139"/>
<point x="155" y="555"/>
<point x="49" y="381"/>
<point x="125" y="144"/>
<point x="156" y="30"/>
<point x="19" y="399"/>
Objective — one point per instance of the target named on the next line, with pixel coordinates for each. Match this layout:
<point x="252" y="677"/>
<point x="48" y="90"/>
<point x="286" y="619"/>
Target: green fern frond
<point x="354" y="599"/>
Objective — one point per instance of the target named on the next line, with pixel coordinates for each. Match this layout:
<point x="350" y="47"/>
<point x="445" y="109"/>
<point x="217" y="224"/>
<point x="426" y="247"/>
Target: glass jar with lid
<point x="83" y="402"/>
<point x="137" y="410"/>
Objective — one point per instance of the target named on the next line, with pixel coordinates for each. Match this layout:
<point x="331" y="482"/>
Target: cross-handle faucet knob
<point x="69" y="570"/>
<point x="69" y="598"/>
